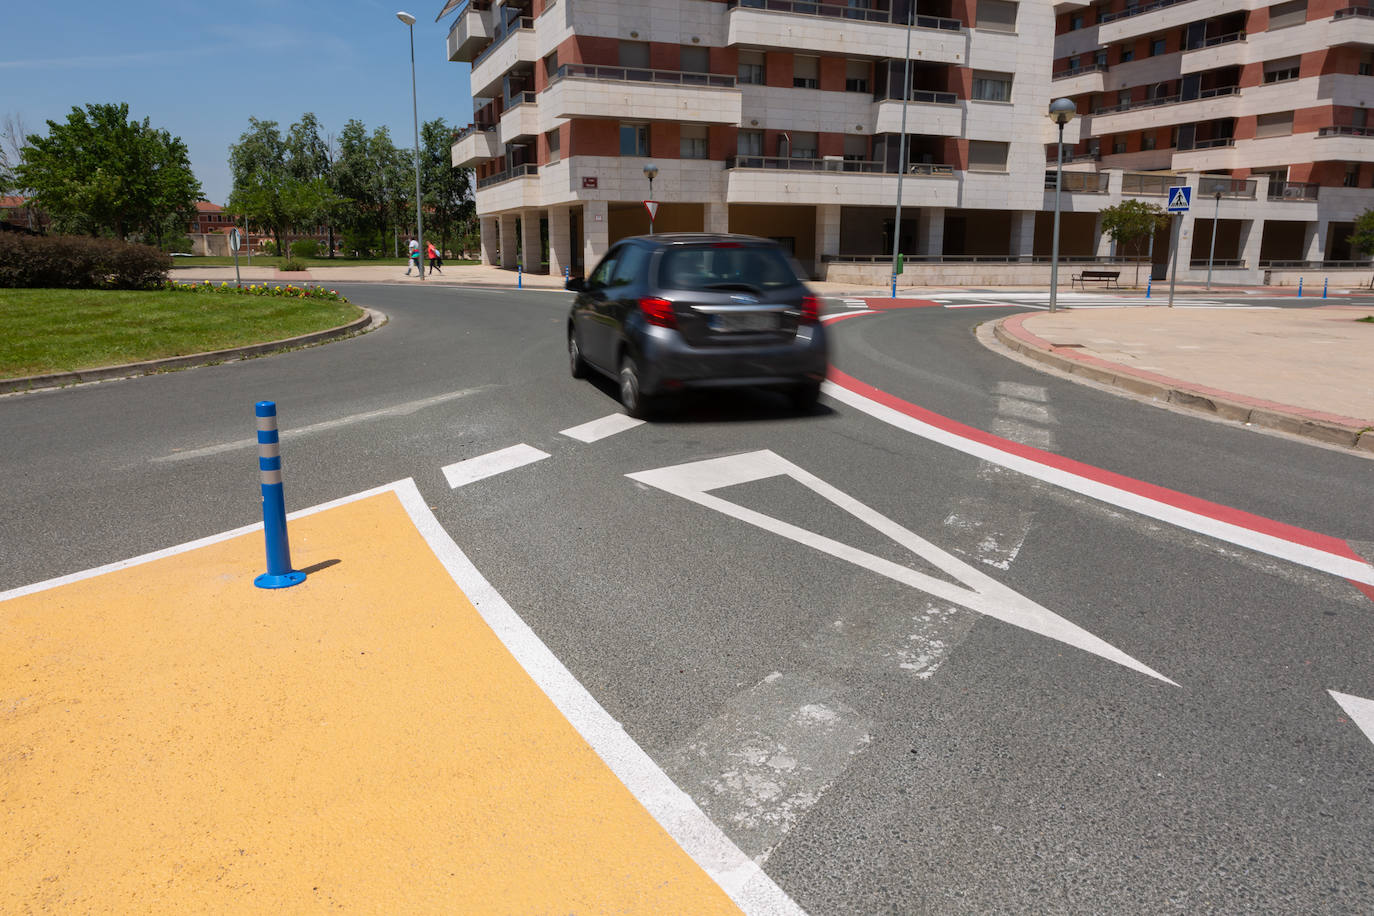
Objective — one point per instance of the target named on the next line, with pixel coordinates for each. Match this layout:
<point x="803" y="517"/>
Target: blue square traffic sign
<point x="1180" y="197"/>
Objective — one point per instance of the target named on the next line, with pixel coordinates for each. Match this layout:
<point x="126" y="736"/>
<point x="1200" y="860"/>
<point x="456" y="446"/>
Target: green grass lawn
<point x="272" y="261"/>
<point x="55" y="330"/>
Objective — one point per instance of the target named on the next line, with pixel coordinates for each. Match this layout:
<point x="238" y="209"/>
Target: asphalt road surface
<point x="906" y="675"/>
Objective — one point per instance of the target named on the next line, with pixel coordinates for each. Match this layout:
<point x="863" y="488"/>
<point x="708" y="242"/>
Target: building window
<point x="1076" y="23"/>
<point x="1366" y="64"/>
<point x="695" y="60"/>
<point x="1100" y="58"/>
<point x="1352" y="176"/>
<point x="750" y="143"/>
<point x="804" y="145"/>
<point x="991" y="87"/>
<point x="694" y="142"/>
<point x="856" y="76"/>
<point x="1278" y="71"/>
<point x="1073" y="63"/>
<point x="1119" y="145"/>
<point x="551" y="65"/>
<point x="1277" y="124"/>
<point x="751" y="68"/>
<point x="1127" y="54"/>
<point x="634" y="139"/>
<point x="1282" y="15"/>
<point x="996" y="15"/>
<point x="634" y="54"/>
<point x="555" y="144"/>
<point x="1147" y="141"/>
<point x="987" y="155"/>
<point x="806" y="72"/>
<point x="1157" y="46"/>
<point x="856" y="149"/>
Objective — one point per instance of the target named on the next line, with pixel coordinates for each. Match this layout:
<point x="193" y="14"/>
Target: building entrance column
<point x="1315" y="241"/>
<point x="596" y="233"/>
<point x="490" y="230"/>
<point x="1022" y="233"/>
<point x="1105" y="247"/>
<point x="930" y="232"/>
<point x="508" y="242"/>
<point x="531" y="249"/>
<point x="560" y="240"/>
<point x="717" y="218"/>
<point x="1251" y="234"/>
<point x="827" y="236"/>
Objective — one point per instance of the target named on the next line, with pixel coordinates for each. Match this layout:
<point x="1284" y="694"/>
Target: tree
<point x="308" y="160"/>
<point x="1362" y="239"/>
<point x="448" y="190"/>
<point x="102" y="173"/>
<point x="1131" y="224"/>
<point x="268" y="188"/>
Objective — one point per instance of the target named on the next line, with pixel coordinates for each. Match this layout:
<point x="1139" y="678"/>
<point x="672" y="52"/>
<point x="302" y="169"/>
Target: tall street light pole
<point x="901" y="146"/>
<point x="409" y="20"/>
<point x="650" y="171"/>
<point x="1061" y="112"/>
<point x="1211" y="253"/>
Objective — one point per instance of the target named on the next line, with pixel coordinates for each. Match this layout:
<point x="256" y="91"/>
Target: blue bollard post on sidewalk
<point x="520" y="276"/>
<point x="1148" y="282"/>
<point x="1299" y="287"/>
<point x="279" y="572"/>
<point x="1325" y="280"/>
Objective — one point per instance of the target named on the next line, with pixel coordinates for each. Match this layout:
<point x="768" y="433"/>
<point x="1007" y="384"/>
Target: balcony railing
<point x="1086" y="68"/>
<point x="520" y="171"/>
<point x="521" y="98"/>
<point x="1211" y="186"/>
<point x="1215" y="143"/>
<point x="1167" y="100"/>
<point x="482" y="5"/>
<point x="1216" y="40"/>
<point x="1145" y="183"/>
<point x="1137" y="10"/>
<point x="844" y="11"/>
<point x="472" y="129"/>
<point x="1345" y="130"/>
<point x="1293" y="190"/>
<point x="515" y="25"/>
<point x="1092" y="155"/>
<point x="1354" y="11"/>
<point x="1086" y="182"/>
<point x="804" y="164"/>
<point x="642" y="75"/>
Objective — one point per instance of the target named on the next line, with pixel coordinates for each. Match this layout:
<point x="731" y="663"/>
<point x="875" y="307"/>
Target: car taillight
<point x="811" y="310"/>
<point x="659" y="312"/>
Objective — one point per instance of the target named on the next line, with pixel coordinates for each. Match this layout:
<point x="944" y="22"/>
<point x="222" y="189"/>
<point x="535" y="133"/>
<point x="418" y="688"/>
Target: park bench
<point x="1108" y="278"/>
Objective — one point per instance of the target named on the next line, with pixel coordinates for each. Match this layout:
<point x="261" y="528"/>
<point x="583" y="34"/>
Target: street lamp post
<point x="409" y="20"/>
<point x="1061" y="112"/>
<point x="901" y="149"/>
<point x="650" y="172"/>
<point x="1216" y="216"/>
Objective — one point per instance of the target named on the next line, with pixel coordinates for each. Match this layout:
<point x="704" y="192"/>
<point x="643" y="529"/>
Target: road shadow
<point x="718" y="405"/>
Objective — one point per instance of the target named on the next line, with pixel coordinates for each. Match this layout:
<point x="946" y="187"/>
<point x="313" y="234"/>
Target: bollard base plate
<point x="267" y="580"/>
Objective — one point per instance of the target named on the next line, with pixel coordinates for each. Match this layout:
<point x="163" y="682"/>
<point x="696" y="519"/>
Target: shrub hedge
<point x="305" y="248"/>
<point x="76" y="262"/>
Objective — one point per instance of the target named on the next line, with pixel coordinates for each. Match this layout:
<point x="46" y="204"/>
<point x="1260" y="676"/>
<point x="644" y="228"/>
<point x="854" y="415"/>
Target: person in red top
<point x="435" y="261"/>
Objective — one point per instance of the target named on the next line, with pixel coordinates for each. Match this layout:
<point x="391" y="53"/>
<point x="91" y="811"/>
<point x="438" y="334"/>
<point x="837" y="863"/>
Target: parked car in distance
<point x="676" y="312"/>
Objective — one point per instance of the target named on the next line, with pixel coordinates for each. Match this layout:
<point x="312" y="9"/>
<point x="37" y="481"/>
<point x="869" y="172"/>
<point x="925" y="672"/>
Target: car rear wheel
<point x="636" y="404"/>
<point x="576" y="364"/>
<point x="805" y="396"/>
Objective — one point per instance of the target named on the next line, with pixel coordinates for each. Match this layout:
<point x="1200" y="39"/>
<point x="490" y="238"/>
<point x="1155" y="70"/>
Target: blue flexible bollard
<point x="519" y="276"/>
<point x="1148" y="282"/>
<point x="1325" y="280"/>
<point x="894" y="286"/>
<point x="567" y="274"/>
<point x="279" y="572"/>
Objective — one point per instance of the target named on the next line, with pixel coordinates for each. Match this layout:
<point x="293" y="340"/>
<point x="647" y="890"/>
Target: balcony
<point x="1230" y="188"/>
<point x="771" y="179"/>
<point x="843" y="30"/>
<point x="519" y="171"/>
<point x="475" y="143"/>
<point x="586" y="91"/>
<point x="1342" y="130"/>
<point x="499" y="57"/>
<point x="1293" y="190"/>
<point x="516" y="188"/>
<point x="939" y="115"/>
<point x="1215" y="40"/>
<point x="1147" y="184"/>
<point x="1075" y="71"/>
<point x="470" y="32"/>
<point x="1349" y="11"/>
<point x="520" y="119"/>
<point x="1080" y="182"/>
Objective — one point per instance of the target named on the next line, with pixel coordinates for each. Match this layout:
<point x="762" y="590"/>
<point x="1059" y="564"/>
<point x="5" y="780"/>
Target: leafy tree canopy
<point x="1362" y="239"/>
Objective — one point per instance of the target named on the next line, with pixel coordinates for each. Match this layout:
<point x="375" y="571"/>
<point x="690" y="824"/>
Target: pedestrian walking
<point x="413" y="259"/>
<point x="435" y="261"/>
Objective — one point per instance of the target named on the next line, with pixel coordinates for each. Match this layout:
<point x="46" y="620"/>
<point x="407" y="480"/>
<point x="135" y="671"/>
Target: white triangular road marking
<point x="1360" y="710"/>
<point x="979" y="592"/>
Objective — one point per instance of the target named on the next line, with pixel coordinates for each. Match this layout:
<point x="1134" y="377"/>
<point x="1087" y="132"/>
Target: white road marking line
<point x="769" y="757"/>
<point x="1311" y="557"/>
<point x="289" y="433"/>
<point x="976" y="591"/>
<point x="855" y="303"/>
<point x="600" y="429"/>
<point x="1024" y="392"/>
<point x="1026" y="434"/>
<point x="1360" y="710"/>
<point x="1024" y="410"/>
<point x="483" y="466"/>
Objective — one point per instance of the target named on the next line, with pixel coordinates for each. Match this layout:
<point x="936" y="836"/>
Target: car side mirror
<point x="576" y="284"/>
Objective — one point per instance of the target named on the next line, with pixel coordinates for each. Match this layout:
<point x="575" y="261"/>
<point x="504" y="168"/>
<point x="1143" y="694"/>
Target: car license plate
<point x="744" y="321"/>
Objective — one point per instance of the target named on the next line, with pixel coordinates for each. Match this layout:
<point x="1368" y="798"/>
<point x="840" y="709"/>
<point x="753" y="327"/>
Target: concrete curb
<point x="151" y="367"/>
<point x="1332" y="429"/>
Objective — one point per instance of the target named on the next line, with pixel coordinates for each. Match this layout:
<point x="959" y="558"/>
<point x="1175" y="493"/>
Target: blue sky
<point x="201" y="69"/>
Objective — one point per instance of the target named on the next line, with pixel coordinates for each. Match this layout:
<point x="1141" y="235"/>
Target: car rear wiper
<point x="743" y="287"/>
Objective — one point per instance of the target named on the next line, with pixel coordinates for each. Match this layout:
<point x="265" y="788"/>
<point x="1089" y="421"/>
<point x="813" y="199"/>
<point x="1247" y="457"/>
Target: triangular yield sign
<point x="975" y="591"/>
<point x="652" y="207"/>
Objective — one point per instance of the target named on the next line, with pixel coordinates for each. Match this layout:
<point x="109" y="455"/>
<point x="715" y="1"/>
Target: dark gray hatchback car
<point x="669" y="313"/>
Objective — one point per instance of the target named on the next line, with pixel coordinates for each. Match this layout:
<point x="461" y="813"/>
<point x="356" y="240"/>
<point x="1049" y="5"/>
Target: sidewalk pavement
<point x="1308" y="372"/>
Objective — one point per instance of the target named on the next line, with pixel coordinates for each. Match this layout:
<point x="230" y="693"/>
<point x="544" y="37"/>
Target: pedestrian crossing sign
<point x="1180" y="197"/>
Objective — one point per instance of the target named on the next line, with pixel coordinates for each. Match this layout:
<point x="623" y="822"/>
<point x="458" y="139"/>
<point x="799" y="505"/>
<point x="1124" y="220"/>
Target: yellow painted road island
<point x="177" y="741"/>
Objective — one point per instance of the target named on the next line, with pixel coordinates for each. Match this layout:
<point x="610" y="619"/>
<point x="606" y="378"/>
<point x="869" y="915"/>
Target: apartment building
<point x="1260" y="106"/>
<point x="778" y="118"/>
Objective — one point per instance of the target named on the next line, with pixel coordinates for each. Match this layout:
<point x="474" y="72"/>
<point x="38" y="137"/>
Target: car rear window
<point x="726" y="266"/>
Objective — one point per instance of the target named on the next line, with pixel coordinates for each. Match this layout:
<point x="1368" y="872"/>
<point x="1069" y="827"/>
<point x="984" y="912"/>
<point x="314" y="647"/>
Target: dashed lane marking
<point x="600" y="429"/>
<point x="470" y="470"/>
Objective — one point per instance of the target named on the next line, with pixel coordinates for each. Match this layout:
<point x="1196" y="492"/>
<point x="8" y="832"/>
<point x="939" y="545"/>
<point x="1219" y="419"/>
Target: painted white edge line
<point x="1302" y="555"/>
<point x="739" y="876"/>
<point x="602" y="428"/>
<point x="471" y="470"/>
